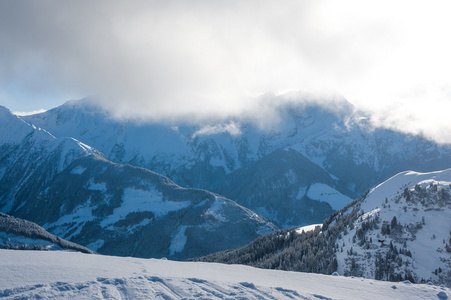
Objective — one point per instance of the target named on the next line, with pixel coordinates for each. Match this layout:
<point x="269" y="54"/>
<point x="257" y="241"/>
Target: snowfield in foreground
<point x="71" y="275"/>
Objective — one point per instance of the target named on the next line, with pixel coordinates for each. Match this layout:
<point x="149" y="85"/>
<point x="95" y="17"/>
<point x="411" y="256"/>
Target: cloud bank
<point x="171" y="59"/>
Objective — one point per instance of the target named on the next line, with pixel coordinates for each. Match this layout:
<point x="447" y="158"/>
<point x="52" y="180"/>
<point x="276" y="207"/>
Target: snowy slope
<point x="71" y="190"/>
<point x="58" y="275"/>
<point x="129" y="211"/>
<point x="21" y="234"/>
<point x="412" y="212"/>
<point x="29" y="158"/>
<point x="399" y="230"/>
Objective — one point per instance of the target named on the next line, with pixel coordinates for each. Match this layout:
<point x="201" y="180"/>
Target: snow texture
<point x="66" y="275"/>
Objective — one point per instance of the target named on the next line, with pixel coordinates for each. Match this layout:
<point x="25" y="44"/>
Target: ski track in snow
<point x="70" y="275"/>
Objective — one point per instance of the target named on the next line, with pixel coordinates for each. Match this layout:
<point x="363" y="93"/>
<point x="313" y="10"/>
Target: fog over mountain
<point x="201" y="59"/>
<point x="315" y="156"/>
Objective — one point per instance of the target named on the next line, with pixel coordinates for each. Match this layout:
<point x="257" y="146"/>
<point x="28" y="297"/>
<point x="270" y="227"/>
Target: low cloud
<point x="428" y="119"/>
<point x="28" y="113"/>
<point x="231" y="128"/>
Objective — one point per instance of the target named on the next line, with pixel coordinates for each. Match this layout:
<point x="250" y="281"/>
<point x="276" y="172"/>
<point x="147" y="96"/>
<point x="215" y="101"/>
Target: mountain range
<point x="73" y="191"/>
<point x="329" y="147"/>
<point x="186" y="189"/>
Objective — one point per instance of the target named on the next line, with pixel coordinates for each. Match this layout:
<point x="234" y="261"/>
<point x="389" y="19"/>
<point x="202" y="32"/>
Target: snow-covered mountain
<point x="73" y="191"/>
<point x="30" y="158"/>
<point x="19" y="234"/>
<point x="125" y="210"/>
<point x="212" y="155"/>
<point x="67" y="275"/>
<point x="399" y="230"/>
<point x="404" y="229"/>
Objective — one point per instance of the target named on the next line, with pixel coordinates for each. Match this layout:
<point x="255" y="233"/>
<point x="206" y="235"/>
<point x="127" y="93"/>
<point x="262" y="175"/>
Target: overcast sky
<point x="163" y="59"/>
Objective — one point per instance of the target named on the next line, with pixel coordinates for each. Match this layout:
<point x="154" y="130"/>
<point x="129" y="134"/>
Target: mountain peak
<point x="89" y="101"/>
<point x="87" y="105"/>
<point x="12" y="128"/>
<point x="397" y="184"/>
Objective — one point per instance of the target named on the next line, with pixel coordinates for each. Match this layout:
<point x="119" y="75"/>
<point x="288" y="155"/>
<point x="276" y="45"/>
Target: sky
<point x="172" y="59"/>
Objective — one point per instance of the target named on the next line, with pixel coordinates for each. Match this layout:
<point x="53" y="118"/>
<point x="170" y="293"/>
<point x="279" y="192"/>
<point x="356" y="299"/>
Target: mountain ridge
<point x="16" y="233"/>
<point x="74" y="191"/>
<point x="398" y="230"/>
<point x="205" y="155"/>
